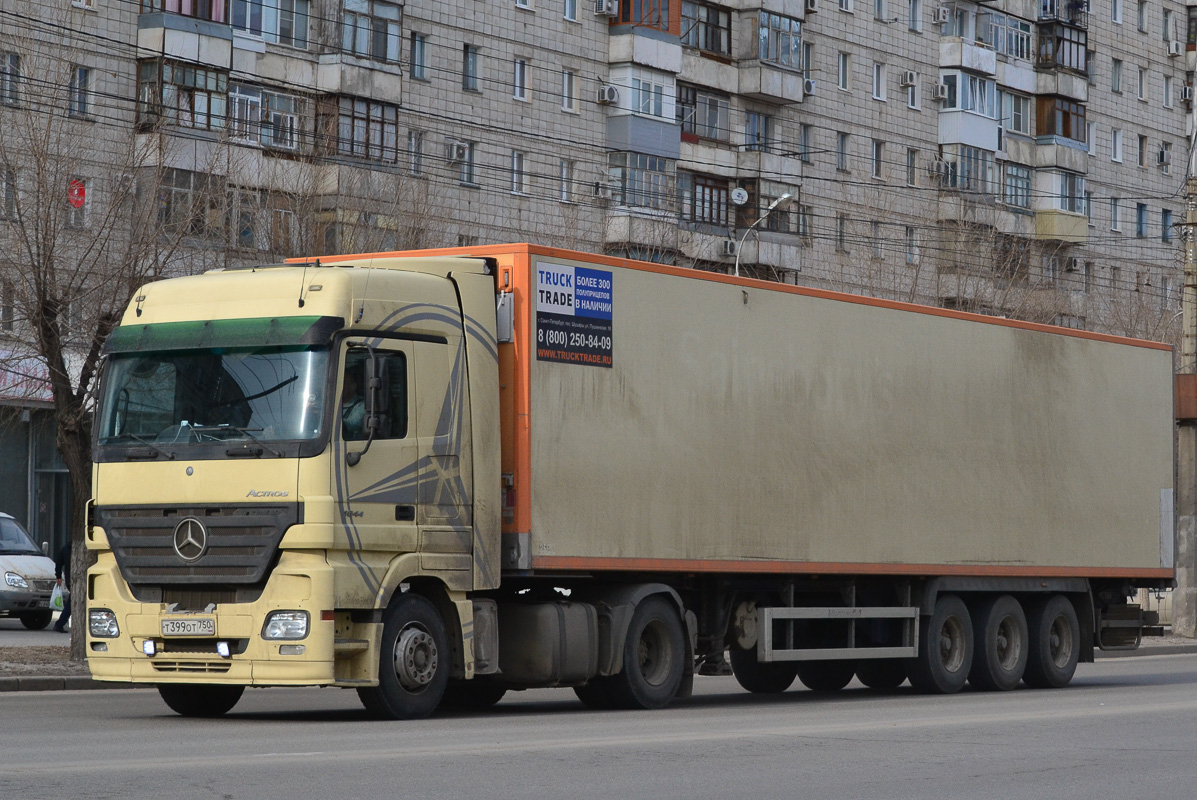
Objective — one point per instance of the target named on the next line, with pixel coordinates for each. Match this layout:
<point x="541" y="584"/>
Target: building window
<point x="1089" y="207"/>
<point x="912" y="160"/>
<point x="1142" y="150"/>
<point x="646" y="13"/>
<point x="469" y="68"/>
<point x="1141" y="84"/>
<point x="642" y="181"/>
<point x="1165" y="225"/>
<point x="843" y="72"/>
<point x="212" y="10"/>
<point x="878" y="159"/>
<point x="8" y="194"/>
<point x="757" y="130"/>
<point x="805" y="224"/>
<point x="878" y="81"/>
<point x="281" y="21"/>
<point x="914" y="15"/>
<point x="1167" y="91"/>
<point x="783" y="218"/>
<point x="79" y="93"/>
<point x="1115" y="219"/>
<point x="1116" y="11"/>
<point x="1141" y="16"/>
<point x="912" y="245"/>
<point x="804" y="143"/>
<point x="1016" y="113"/>
<point x="841" y="233"/>
<point x="181" y="94"/>
<point x="846" y="5"/>
<point x="526" y="4"/>
<point x="1008" y="35"/>
<point x="519" y="173"/>
<point x="185" y="204"/>
<point x="1116" y="145"/>
<point x="1141" y="220"/>
<point x="876" y="240"/>
<point x="841" y="151"/>
<point x="569" y="91"/>
<point x="706" y="27"/>
<point x="419" y="56"/>
<point x="10" y="79"/>
<point x="808" y="60"/>
<point x="1017" y="191"/>
<point x="648" y="96"/>
<point x="912" y="93"/>
<point x="968" y="92"/>
<point x="1166" y="27"/>
<point x="703" y="198"/>
<point x="1063" y="46"/>
<point x="566" y="174"/>
<point x="415" y="152"/>
<point x="1116" y="76"/>
<point x="1165" y="157"/>
<point x="265" y="118"/>
<point x="462" y="154"/>
<point x="1070" y="192"/>
<point x="371" y="30"/>
<point x="364" y="128"/>
<point x="970" y="168"/>
<point x="1059" y="116"/>
<point x="780" y="40"/>
<point x="702" y="114"/>
<point x="570" y="10"/>
<point x="519" y="79"/>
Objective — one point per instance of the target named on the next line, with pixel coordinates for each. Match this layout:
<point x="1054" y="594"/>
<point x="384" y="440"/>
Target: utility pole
<point x="1184" y="598"/>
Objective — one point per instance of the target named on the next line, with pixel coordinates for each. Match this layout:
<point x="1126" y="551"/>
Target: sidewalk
<point x="34" y="666"/>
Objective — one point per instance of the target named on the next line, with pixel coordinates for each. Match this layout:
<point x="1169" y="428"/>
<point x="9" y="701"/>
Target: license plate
<point x="189" y="627"/>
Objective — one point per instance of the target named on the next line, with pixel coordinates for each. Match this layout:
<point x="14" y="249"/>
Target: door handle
<point x="405" y="513"/>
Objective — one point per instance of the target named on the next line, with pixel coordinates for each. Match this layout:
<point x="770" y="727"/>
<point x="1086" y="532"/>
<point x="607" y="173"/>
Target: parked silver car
<point x="28" y="577"/>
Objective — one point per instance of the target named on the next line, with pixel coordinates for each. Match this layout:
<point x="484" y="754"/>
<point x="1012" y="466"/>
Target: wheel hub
<point x="416" y="658"/>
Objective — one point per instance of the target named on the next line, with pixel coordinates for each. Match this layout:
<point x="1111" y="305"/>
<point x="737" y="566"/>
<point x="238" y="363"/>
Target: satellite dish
<point x="739" y="196"/>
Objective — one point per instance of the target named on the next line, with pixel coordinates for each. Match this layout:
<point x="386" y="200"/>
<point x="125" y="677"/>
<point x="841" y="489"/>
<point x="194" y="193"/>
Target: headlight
<point x="102" y="624"/>
<point x="285" y="625"/>
<point x="16" y="581"/>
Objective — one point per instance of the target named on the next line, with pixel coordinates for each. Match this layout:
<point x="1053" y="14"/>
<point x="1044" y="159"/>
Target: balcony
<point x="1061" y="226"/>
<point x="956" y="53"/>
<point x="1064" y="84"/>
<point x="766" y="82"/>
<point x="185" y="38"/>
<point x="1071" y="12"/>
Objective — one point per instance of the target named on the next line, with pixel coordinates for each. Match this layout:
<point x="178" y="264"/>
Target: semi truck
<point x="439" y="476"/>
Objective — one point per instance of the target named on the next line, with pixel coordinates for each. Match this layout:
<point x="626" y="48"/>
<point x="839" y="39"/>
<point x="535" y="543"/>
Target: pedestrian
<point x="62" y="576"/>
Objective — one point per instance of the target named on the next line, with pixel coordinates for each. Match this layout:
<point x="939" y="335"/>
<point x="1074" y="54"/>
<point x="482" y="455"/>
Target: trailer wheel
<point x="826" y="676"/>
<point x="1000" y="650"/>
<point x="200" y="700"/>
<point x="472" y="695"/>
<point x="1053" y="643"/>
<point x="653" y="657"/>
<point x="761" y="677"/>
<point x="37" y="620"/>
<point x="945" y="648"/>
<point x="413" y="668"/>
<point x="881" y="673"/>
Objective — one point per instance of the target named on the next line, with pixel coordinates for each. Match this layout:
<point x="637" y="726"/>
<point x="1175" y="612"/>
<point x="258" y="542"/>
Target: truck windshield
<point x="197" y="396"/>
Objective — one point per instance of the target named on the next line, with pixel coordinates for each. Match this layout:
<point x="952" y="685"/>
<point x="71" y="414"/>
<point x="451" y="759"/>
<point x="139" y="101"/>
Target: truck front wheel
<point x="654" y="656"/>
<point x="196" y="700"/>
<point x="945" y="648"/>
<point x="413" y="668"/>
<point x="1053" y="643"/>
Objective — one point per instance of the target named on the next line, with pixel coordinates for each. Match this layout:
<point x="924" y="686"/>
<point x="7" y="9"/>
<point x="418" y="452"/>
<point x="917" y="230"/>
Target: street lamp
<point x="785" y="198"/>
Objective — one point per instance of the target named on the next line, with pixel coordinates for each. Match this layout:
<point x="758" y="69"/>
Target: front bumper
<point x="20" y="601"/>
<point x="301" y="582"/>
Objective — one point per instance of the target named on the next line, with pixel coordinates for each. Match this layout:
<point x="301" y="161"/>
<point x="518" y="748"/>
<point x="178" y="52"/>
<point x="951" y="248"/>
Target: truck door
<point x="378" y="496"/>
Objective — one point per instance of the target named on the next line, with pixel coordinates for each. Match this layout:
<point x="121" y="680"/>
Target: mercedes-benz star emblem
<point x="191" y="539"/>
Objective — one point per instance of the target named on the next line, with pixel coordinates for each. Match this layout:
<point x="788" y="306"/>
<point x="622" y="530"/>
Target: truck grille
<point x="238" y="543"/>
<point x="195" y="667"/>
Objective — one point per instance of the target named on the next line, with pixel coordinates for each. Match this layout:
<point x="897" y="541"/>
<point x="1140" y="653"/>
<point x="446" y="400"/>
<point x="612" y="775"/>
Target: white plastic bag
<point x="59" y="598"/>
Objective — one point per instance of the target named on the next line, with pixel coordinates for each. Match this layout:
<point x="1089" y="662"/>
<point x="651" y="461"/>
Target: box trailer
<point x="438" y="476"/>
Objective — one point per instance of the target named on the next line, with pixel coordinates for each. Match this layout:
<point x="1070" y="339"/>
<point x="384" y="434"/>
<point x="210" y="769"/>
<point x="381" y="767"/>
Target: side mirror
<point x="376" y="403"/>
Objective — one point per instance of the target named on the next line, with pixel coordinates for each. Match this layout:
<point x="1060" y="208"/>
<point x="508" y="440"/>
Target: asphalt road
<point x="1126" y="728"/>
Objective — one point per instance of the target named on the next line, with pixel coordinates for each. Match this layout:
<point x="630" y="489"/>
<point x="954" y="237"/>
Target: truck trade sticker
<point x="573" y="315"/>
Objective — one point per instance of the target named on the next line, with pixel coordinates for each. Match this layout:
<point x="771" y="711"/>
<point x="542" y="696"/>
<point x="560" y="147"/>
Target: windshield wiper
<point x="170" y="456"/>
<point x="246" y="431"/>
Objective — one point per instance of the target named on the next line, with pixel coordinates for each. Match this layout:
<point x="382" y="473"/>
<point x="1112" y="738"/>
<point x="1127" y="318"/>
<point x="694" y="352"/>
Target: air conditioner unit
<point x="938" y="168"/>
<point x="729" y="247"/>
<point x="1175" y="48"/>
<point x="1072" y="264"/>
<point x="939" y="92"/>
<point x="608" y="94"/>
<point x="808" y="87"/>
<point x="812" y="6"/>
<point x="1165" y="158"/>
<point x="1186" y="94"/>
<point x="941" y="15"/>
<point x="606" y="8"/>
<point x="456" y="152"/>
<point x="602" y="191"/>
<point x="909" y="77"/>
